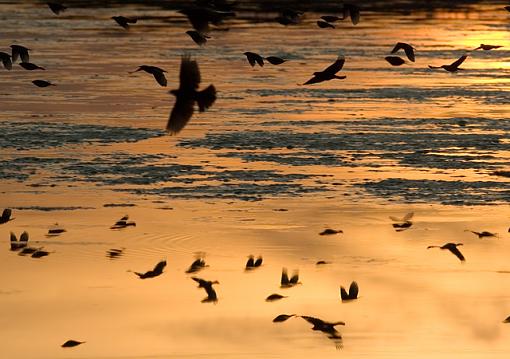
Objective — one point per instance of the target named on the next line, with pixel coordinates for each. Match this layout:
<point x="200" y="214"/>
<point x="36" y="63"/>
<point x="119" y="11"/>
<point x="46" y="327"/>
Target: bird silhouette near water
<point x="56" y="7"/>
<point x="395" y="60"/>
<point x="5" y="58"/>
<point x="6" y="216"/>
<point x="158" y="73"/>
<point x="30" y="66"/>
<point x="329" y="73"/>
<point x="483" y="234"/>
<point x="186" y="96"/>
<point x="452" y="247"/>
<point x="199" y="38"/>
<point x="71" y="343"/>
<point x="42" y="83"/>
<point x="208" y="287"/>
<point x="19" y="244"/>
<point x="253" y="263"/>
<point x="327" y="328"/>
<point x="454" y="66"/>
<point x="198" y="264"/>
<point x="401" y="224"/>
<point x="487" y="47"/>
<point x="123" y="223"/>
<point x="158" y="270"/>
<point x="286" y="282"/>
<point x="124" y="21"/>
<point x="352" y="294"/>
<point x="19" y="51"/>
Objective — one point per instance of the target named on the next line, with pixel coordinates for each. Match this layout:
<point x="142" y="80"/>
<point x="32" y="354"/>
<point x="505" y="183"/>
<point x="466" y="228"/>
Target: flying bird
<point x="30" y="66"/>
<point x="285" y="282"/>
<point x="274" y="60"/>
<point x="482" y="234"/>
<point x="55" y="230"/>
<point x="40" y="253"/>
<point x="253" y="263"/>
<point x="21" y="52"/>
<point x="327" y="328"/>
<point x="197" y="265"/>
<point x="208" y="286"/>
<point x="507" y="8"/>
<point x="283" y="317"/>
<point x="321" y="262"/>
<point x="199" y="38"/>
<point x="254" y="58"/>
<point x="22" y="243"/>
<point x="123" y="223"/>
<point x="158" y="270"/>
<point x="42" y="83"/>
<point x="395" y="60"/>
<point x="56" y="7"/>
<point x="157" y="72"/>
<point x="454" y="66"/>
<point x="507" y="320"/>
<point x="487" y="47"/>
<point x="6" y="216"/>
<point x="329" y="73"/>
<point x="402" y="223"/>
<point x="352" y="294"/>
<point x="331" y="18"/>
<point x="6" y="60"/>
<point x="329" y="231"/>
<point x="187" y="95"/>
<point x="409" y="50"/>
<point x="201" y="16"/>
<point x="274" y="297"/>
<point x="124" y="21"/>
<point x="324" y="24"/>
<point x="452" y="247"/>
<point x="71" y="343"/>
<point x="114" y="253"/>
<point x="353" y="11"/>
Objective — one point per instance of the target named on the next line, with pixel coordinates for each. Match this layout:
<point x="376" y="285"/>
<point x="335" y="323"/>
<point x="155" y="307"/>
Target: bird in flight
<point x="124" y="21"/>
<point x="158" y="270"/>
<point x="19" y="51"/>
<point x="331" y="18"/>
<point x="274" y="60"/>
<point x="395" y="60"/>
<point x="253" y="263"/>
<point x="353" y="11"/>
<point x="409" y="50"/>
<point x="56" y="7"/>
<point x="123" y="223"/>
<point x="6" y="60"/>
<point x="483" y="234"/>
<point x="329" y="73"/>
<point x="30" y="66"/>
<point x="452" y="247"/>
<point x="22" y="243"/>
<point x="199" y="38"/>
<point x="157" y="72"/>
<point x="42" y="83"/>
<point x="352" y="294"/>
<point x="454" y="66"/>
<point x="71" y="343"/>
<point x="487" y="47"/>
<point x="329" y="231"/>
<point x="187" y="94"/>
<point x="323" y="24"/>
<point x="208" y="286"/>
<point x="402" y="223"/>
<point x="275" y="296"/>
<point x="197" y="265"/>
<point x="327" y="328"/>
<point x="6" y="216"/>
<point x="285" y="282"/>
<point x="254" y="58"/>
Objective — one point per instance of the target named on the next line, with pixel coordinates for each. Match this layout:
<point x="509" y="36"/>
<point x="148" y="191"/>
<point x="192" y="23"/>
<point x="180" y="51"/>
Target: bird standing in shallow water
<point x="453" y="67"/>
<point x="186" y="96"/>
<point x="157" y="72"/>
<point x="329" y="73"/>
<point x="487" y="47"/>
<point x="452" y="247"/>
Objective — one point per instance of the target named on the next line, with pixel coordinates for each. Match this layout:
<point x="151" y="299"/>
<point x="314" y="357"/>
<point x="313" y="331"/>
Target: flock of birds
<point x="22" y="247"/>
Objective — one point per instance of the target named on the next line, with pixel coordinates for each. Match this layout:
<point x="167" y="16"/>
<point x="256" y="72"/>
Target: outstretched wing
<point x="160" y="77"/>
<point x="180" y="115"/>
<point x="408" y="217"/>
<point x="295" y="278"/>
<point x="189" y="76"/>
<point x="336" y="66"/>
<point x="258" y="262"/>
<point x="251" y="262"/>
<point x="353" y="290"/>
<point x="159" y="267"/>
<point x="211" y="293"/>
<point x="24" y="237"/>
<point x="312" y="320"/>
<point x="459" y="61"/>
<point x="343" y="294"/>
<point x="457" y="253"/>
<point x="285" y="277"/>
<point x="6" y="214"/>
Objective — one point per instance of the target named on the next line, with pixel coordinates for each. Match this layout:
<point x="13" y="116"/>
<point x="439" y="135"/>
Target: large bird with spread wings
<point x="187" y="94"/>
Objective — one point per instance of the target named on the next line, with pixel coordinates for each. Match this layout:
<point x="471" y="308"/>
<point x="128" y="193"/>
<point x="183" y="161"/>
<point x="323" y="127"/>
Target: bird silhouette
<point x="56" y="7"/>
<point x="253" y="263"/>
<point x="6" y="216"/>
<point x="285" y="282"/>
<point x="274" y="297"/>
<point x="487" y="47"/>
<point x="403" y="223"/>
<point x="157" y="72"/>
<point x="55" y="230"/>
<point x="482" y="234"/>
<point x="197" y="265"/>
<point x="6" y="60"/>
<point x="28" y="250"/>
<point x="208" y="286"/>
<point x="254" y="58"/>
<point x="454" y="66"/>
<point x="327" y="328"/>
<point x="352" y="294"/>
<point x="331" y="18"/>
<point x="158" y="270"/>
<point x="42" y="83"/>
<point x="329" y="73"/>
<point x="187" y="95"/>
<point x="321" y="262"/>
<point x="30" y="66"/>
<point x="124" y="21"/>
<point x="201" y="16"/>
<point x="452" y="247"/>
<point x="283" y="317"/>
<point x="22" y="243"/>
<point x="353" y="12"/>
<point x="199" y="38"/>
<point x="40" y="253"/>
<point x="329" y="231"/>
<point x="395" y="60"/>
<point x="123" y="223"/>
<point x="324" y="24"/>
<point x="114" y="253"/>
<point x="274" y="60"/>
<point x="21" y="52"/>
<point x="409" y="50"/>
<point x="71" y="343"/>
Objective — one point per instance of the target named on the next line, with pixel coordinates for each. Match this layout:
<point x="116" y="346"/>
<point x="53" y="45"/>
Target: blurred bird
<point x="6" y="60"/>
<point x="324" y="24"/>
<point x="283" y="317"/>
<point x="207" y="285"/>
<point x="197" y="265"/>
<point x="114" y="253"/>
<point x="402" y="223"/>
<point x="157" y="72"/>
<point x="507" y="8"/>
<point x="40" y="253"/>
<point x="71" y="343"/>
<point x="507" y="320"/>
<point x="329" y="73"/>
<point x="452" y="247"/>
<point x="487" y="47"/>
<point x="199" y="38"/>
<point x="201" y="16"/>
<point x="42" y="83"/>
<point x="19" y="51"/>
<point x="55" y="230"/>
<point x="254" y="58"/>
<point x="353" y="11"/>
<point x="321" y="262"/>
<point x="329" y="231"/>
<point x="123" y="223"/>
<point x="124" y="21"/>
<point x="273" y="60"/>
<point x="353" y="292"/>
<point x="395" y="60"/>
<point x="274" y="297"/>
<point x="482" y="234"/>
<point x="331" y="18"/>
<point x="409" y="50"/>
<point x="22" y="243"/>
<point x="28" y="250"/>
<point x="253" y="263"/>
<point x="327" y="328"/>
<point x="57" y="8"/>
<point x="6" y="216"/>
<point x="453" y="67"/>
<point x="289" y="17"/>
<point x="30" y="66"/>
<point x="187" y="95"/>
<point x="158" y="270"/>
<point x="285" y="282"/>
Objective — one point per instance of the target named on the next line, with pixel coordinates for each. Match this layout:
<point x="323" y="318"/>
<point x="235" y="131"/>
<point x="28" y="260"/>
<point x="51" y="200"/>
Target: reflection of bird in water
<point x="395" y="60"/>
<point x="282" y="317"/>
<point x="114" y="253"/>
<point x="187" y="95"/>
<point x="253" y="263"/>
<point x="55" y="230"/>
<point x="22" y="243"/>
<point x="30" y="66"/>
<point x="71" y="343"/>
<point x="56" y="7"/>
<point x="158" y="270"/>
<point x="6" y="60"/>
<point x="157" y="72"/>
<point x="482" y="234"/>
<point x="285" y="282"/>
<point x="6" y="216"/>
<point x="353" y="11"/>
<point x="453" y="67"/>
<point x="274" y="60"/>
<point x="199" y="38"/>
<point x="42" y="83"/>
<point x="329" y="231"/>
<point x="452" y="247"/>
<point x="274" y="297"/>
<point x="197" y="265"/>
<point x="487" y="47"/>
<point x="326" y="327"/>
<point x="20" y="51"/>
<point x="208" y="286"/>
<point x="124" y="21"/>
<point x="353" y="292"/>
<point x="254" y="58"/>
<point x="325" y="25"/>
<point x="403" y="223"/>
<point x="329" y="73"/>
<point x="123" y="223"/>
<point x="409" y="50"/>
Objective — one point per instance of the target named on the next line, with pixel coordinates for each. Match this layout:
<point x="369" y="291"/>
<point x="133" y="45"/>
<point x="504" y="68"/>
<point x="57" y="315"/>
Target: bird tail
<point x="206" y="98"/>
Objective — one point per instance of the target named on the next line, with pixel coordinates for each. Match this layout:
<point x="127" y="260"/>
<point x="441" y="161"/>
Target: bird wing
<point x="336" y="66"/>
<point x="459" y="61"/>
<point x="6" y="61"/>
<point x="285" y="277"/>
<point x="159" y="267"/>
<point x="295" y="278"/>
<point x="211" y="293"/>
<point x="160" y="77"/>
<point x="398" y="46"/>
<point x="24" y="237"/>
<point x="258" y="262"/>
<point x="6" y="214"/>
<point x="408" y="217"/>
<point x="312" y="320"/>
<point x="353" y="290"/>
<point x="353" y="12"/>
<point x="343" y="294"/>
<point x="250" y="263"/>
<point x="315" y="79"/>
<point x="457" y="253"/>
<point x="13" y="237"/>
<point x="282" y="317"/>
<point x="189" y="77"/>
<point x="200" y="281"/>
<point x="206" y="98"/>
<point x="409" y="52"/>
<point x="199" y="23"/>
<point x="181" y="114"/>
